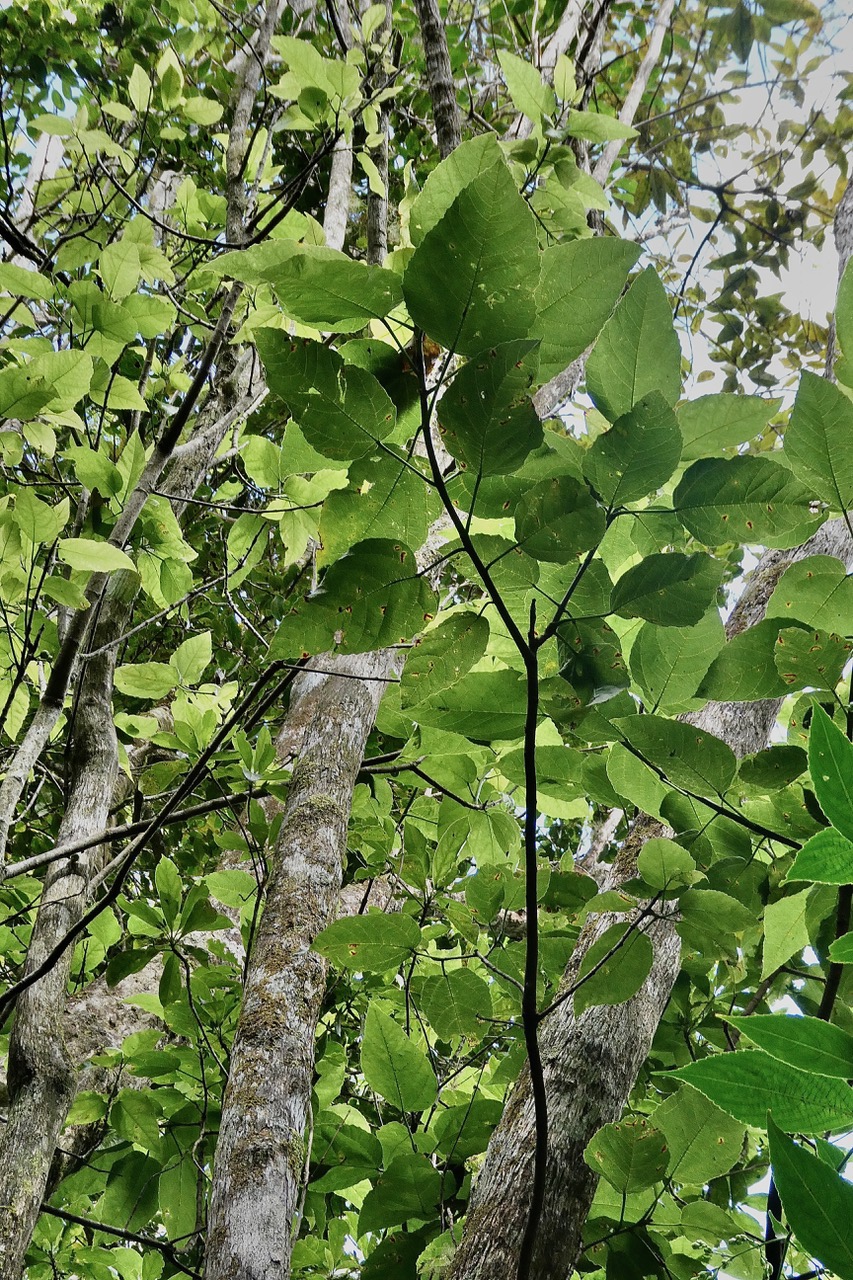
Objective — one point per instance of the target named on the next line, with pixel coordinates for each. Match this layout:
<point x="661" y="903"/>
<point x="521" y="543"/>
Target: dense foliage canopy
<point x="430" y="368"/>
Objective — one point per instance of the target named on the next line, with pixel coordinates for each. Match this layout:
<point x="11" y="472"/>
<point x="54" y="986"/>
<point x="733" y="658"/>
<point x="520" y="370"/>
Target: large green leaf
<point x="316" y="285"/>
<point x="827" y="858"/>
<point x="690" y="757"/>
<point x="810" y="659"/>
<point x="786" y="933"/>
<point x="393" y="1065"/>
<point x="385" y="498"/>
<point x="373" y="943"/>
<point x="744" y="670"/>
<point x="408" y="1188"/>
<point x="831" y="768"/>
<point x="486" y="417"/>
<point x="844" y="328"/>
<point x="637" y="455"/>
<point x="373" y="596"/>
<point x="580" y="283"/>
<point x="470" y="282"/>
<point x="704" y="1142"/>
<point x="816" y="591"/>
<point x="745" y="499"/>
<point x="818" y="1202"/>
<point x="669" y="662"/>
<point x="465" y="163"/>
<point x="668" y="588"/>
<point x="342" y="410"/>
<point x="631" y="1155"/>
<point x="558" y="519"/>
<point x="483" y="706"/>
<point x="637" y="351"/>
<point x="748" y="1083"/>
<point x="621" y="959"/>
<point x="443" y="656"/>
<point x="808" y="1043"/>
<point x="819" y="440"/>
<point x="721" y="421"/>
<point x="455" y="1001"/>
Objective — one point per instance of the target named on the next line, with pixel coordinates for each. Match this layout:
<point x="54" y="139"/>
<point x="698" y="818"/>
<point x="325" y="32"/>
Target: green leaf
<point x="178" y="1195"/>
<point x="21" y="282"/>
<point x="710" y="912"/>
<point x="373" y="943"/>
<point x="669" y="662"/>
<point x="467" y="162"/>
<point x="637" y="455"/>
<point x="470" y="282"/>
<point x="785" y="934"/>
<point x="134" y="1117"/>
<point x="318" y="286"/>
<point x="139" y="89"/>
<point x="631" y="1155"/>
<point x="455" y="1001"/>
<point x="393" y="1065"/>
<point x="580" y="284"/>
<point x="38" y="521"/>
<point x="384" y="498"/>
<point x="342" y="411"/>
<point x="93" y="557"/>
<point x="723" y="421"/>
<point x="529" y="94"/>
<point x="816" y="591"/>
<point x="203" y="111"/>
<point x="831" y="768"/>
<point x="595" y="127"/>
<point x="120" y="268"/>
<point x="483" y="706"/>
<point x="827" y="858"/>
<point x="408" y="1188"/>
<point x="557" y="519"/>
<point x="23" y="393"/>
<point x="621" y="975"/>
<point x="810" y="659"/>
<point x="819" y="440"/>
<point x="169" y="889"/>
<point x="773" y="768"/>
<point x="748" y="1083"/>
<point x="808" y="1043"/>
<point x="841" y="950"/>
<point x="704" y="1142"/>
<point x="745" y="499"/>
<point x="234" y="887"/>
<point x="690" y="757"/>
<point x="744" y="669"/>
<point x="443" y="656"/>
<point x="818" y="1202"/>
<point x="637" y="351"/>
<point x="668" y="588"/>
<point x="192" y="657"/>
<point x="635" y="781"/>
<point x="372" y="597"/>
<point x="663" y="864"/>
<point x="151" y="680"/>
<point x="486" y="417"/>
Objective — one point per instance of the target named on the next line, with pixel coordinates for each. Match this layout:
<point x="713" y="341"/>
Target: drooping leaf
<point x="631" y="1155"/>
<point x="455" y="1001"/>
<point x="342" y="410"/>
<point x="827" y="858"/>
<point x="637" y="351"/>
<point x="443" y="656"/>
<point x="393" y="1065"/>
<point x="668" y="588"/>
<point x="621" y="974"/>
<point x="669" y="662"/>
<point x="637" y="455"/>
<point x="721" y="421"/>
<point x="558" y="519"/>
<point x="816" y="591"/>
<point x="580" y="284"/>
<point x="831" y="768"/>
<point x="745" y="499"/>
<point x="373" y="943"/>
<point x="486" y="418"/>
<point x="748" y="1083"/>
<point x="371" y="597"/>
<point x="470" y="282"/>
<point x="808" y="1043"/>
<point x="818" y="1202"/>
<point x="819" y="440"/>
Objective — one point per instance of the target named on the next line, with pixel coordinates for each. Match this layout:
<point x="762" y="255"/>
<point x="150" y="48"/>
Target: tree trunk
<point x="442" y="90"/>
<point x="259" y="1169"/>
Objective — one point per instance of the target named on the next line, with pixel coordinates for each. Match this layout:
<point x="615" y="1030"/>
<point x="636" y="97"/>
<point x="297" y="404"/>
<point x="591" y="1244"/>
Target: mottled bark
<point x="591" y="1063"/>
<point x="442" y="90"/>
<point x="336" y="213"/>
<point x="260" y="1156"/>
<point x="42" y="1072"/>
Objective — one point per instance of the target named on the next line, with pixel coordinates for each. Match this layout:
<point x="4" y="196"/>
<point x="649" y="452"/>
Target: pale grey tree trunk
<point x="259" y="1169"/>
<point x="591" y="1062"/>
